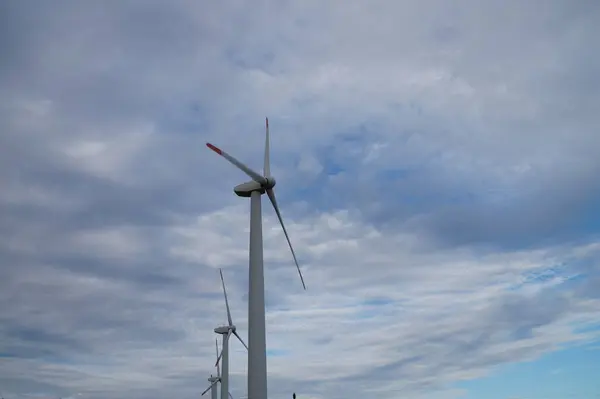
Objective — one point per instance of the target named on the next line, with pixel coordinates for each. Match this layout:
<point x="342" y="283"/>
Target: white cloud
<point x="437" y="299"/>
<point x="110" y="158"/>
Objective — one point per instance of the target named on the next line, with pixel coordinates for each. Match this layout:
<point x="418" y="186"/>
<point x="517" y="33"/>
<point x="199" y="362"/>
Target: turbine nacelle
<point x="224" y="330"/>
<point x="246" y="189"/>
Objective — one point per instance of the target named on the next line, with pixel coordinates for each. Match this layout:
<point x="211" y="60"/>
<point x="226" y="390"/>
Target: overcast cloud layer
<point x="437" y="166"/>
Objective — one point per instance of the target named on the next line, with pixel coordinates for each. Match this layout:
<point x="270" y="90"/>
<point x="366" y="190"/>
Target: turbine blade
<point x="218" y="358"/>
<point x="226" y="301"/>
<point x="267" y="168"/>
<point x="209" y="387"/>
<point x="255" y="176"/>
<point x="241" y="340"/>
<point x="230" y="397"/>
<point x="271" y="194"/>
<point x="225" y="342"/>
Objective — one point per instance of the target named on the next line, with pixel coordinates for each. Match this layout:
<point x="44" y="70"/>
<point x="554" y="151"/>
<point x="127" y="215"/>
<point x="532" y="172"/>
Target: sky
<point x="436" y="166"/>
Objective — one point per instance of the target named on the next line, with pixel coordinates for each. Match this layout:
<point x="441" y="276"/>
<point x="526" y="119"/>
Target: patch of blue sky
<point x="331" y="168"/>
<point x="574" y="279"/>
<point x="587" y="220"/>
<point x="570" y="373"/>
<point x="372" y="307"/>
<point x="377" y="301"/>
<point x="342" y="160"/>
<point x="539" y="278"/>
<point x="545" y="275"/>
<point x="589" y="328"/>
<point x="564" y="275"/>
<point x="366" y="314"/>
<point x="318" y="190"/>
<point x="277" y="352"/>
<point x="590" y="222"/>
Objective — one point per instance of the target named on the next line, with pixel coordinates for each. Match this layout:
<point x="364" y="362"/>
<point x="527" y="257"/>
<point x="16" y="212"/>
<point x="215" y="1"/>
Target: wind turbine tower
<point x="226" y="332"/>
<point x="213" y="386"/>
<point x="214" y="380"/>
<point x="254" y="189"/>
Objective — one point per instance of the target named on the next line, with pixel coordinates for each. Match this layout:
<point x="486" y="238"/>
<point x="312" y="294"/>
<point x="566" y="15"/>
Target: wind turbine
<point x="226" y="332"/>
<point x="213" y="380"/>
<point x="254" y="189"/>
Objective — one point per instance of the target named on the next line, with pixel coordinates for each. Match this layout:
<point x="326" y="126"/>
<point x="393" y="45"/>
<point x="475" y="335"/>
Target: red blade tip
<point x="215" y="149"/>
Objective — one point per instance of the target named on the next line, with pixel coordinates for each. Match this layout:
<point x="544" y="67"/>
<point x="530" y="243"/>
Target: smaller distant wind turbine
<point x="213" y="380"/>
<point x="226" y="332"/>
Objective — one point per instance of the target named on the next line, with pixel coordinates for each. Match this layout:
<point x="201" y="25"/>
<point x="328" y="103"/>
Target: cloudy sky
<point x="437" y="167"/>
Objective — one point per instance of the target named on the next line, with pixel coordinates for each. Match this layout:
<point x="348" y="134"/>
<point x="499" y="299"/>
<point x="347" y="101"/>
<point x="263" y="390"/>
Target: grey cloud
<point x="547" y="141"/>
<point x="469" y="228"/>
<point x="30" y="339"/>
<point x="549" y="216"/>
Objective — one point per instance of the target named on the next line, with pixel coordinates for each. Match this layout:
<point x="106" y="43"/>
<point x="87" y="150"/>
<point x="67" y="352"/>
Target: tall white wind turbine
<point x="226" y="332"/>
<point x="260" y="184"/>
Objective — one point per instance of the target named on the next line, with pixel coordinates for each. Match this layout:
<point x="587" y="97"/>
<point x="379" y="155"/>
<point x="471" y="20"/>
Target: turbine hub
<point x="270" y="182"/>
